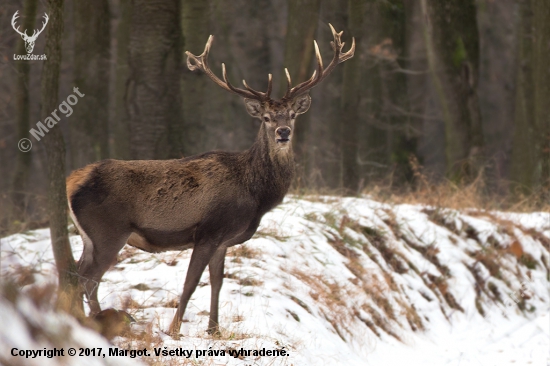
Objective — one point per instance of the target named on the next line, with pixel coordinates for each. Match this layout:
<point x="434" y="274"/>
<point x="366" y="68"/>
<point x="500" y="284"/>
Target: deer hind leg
<point x="202" y="253"/>
<point x="216" y="267"/>
<point x="100" y="252"/>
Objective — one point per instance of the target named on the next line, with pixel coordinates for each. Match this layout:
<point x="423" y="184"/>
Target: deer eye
<point x="266" y="119"/>
<point x="292" y="115"/>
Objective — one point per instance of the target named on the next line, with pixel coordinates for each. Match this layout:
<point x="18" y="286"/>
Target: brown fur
<point x="77" y="178"/>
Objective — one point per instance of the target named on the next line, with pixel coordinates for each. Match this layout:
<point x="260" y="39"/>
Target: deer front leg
<point x="199" y="259"/>
<point x="215" y="267"/>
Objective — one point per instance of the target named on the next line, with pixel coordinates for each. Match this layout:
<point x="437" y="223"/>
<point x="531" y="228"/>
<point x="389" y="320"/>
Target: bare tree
<point x="350" y="103"/>
<point x="303" y="16"/>
<point x="89" y="125"/>
<point x="531" y="153"/>
<point x="194" y="23"/>
<point x="69" y="299"/>
<point x="541" y="9"/>
<point x="452" y="44"/>
<point x="153" y="85"/>
<point x="119" y="122"/>
<point x="24" y="159"/>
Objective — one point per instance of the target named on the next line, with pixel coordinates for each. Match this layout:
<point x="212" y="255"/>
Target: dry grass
<point x="243" y="251"/>
<point x="414" y="320"/>
<point x="459" y="195"/>
<point x="381" y="313"/>
<point x="440" y="287"/>
<point x="331" y="298"/>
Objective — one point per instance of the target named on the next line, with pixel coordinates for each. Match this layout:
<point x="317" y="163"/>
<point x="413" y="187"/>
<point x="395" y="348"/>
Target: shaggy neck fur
<point x="268" y="169"/>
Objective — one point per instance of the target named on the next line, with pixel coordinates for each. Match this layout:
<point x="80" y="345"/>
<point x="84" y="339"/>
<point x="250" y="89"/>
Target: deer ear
<point x="253" y="107"/>
<point x="301" y="104"/>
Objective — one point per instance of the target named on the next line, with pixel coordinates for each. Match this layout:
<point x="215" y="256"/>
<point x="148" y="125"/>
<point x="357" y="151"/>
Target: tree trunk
<point x="402" y="129"/>
<point x="453" y="55"/>
<point x="24" y="159"/>
<point x="350" y="102"/>
<point x="303" y="16"/>
<point x="153" y="87"/>
<point x="194" y="23"/>
<point x="326" y="110"/>
<point x="120" y="124"/>
<point x="498" y="29"/>
<point x="69" y="299"/>
<point x="531" y="152"/>
<point x="89" y="125"/>
<point x="387" y="139"/>
<point x="524" y="151"/>
<point x="541" y="69"/>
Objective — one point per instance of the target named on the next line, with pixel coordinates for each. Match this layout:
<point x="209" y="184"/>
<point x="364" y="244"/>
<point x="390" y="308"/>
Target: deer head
<point x="278" y="115"/>
<point x="29" y="40"/>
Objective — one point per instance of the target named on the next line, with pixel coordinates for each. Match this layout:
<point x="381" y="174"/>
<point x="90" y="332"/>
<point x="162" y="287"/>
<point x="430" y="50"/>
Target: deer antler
<point x="24" y="34"/>
<point x="201" y="63"/>
<point x="43" y="26"/>
<point x="15" y="16"/>
<point x="319" y="74"/>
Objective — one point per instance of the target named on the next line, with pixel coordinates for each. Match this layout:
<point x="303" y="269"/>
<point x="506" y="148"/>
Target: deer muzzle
<point x="283" y="134"/>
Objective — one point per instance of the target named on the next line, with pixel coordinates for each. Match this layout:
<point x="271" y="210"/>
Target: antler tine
<point x="337" y="45"/>
<point x="261" y="94"/>
<point x="319" y="58"/>
<point x="319" y="74"/>
<point x="244" y="93"/>
<point x="200" y="60"/>
<point x="46" y="18"/>
<point x="269" y="85"/>
<point x="314" y="79"/>
<point x="201" y="63"/>
<point x="289" y="82"/>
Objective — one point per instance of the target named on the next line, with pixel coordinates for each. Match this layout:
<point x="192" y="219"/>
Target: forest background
<point x="453" y="92"/>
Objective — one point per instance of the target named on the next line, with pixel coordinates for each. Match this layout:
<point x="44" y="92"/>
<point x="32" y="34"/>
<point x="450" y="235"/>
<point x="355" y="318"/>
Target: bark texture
<point x="120" y="125"/>
<point x="153" y="86"/>
<point x="90" y="120"/>
<point x="452" y="40"/>
<point x="303" y="17"/>
<point x="194" y="24"/>
<point x="55" y="151"/>
<point x="22" y="102"/>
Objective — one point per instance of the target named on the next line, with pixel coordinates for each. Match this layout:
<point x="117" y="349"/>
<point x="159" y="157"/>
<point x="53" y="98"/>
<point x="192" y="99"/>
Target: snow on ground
<point x="339" y="281"/>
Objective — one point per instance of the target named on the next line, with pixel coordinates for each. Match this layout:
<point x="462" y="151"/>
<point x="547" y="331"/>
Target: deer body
<point x="163" y="204"/>
<point x="207" y="202"/>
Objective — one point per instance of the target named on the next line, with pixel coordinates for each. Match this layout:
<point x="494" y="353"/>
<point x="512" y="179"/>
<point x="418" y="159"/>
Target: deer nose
<point x="283" y="132"/>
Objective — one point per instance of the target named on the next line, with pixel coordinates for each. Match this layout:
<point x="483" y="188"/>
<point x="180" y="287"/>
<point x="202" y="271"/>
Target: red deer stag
<point x="207" y="202"/>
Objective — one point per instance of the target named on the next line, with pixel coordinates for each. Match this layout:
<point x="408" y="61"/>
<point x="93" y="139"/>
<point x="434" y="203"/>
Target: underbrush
<point x="479" y="193"/>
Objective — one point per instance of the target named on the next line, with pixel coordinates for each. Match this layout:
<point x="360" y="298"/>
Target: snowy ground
<point x="336" y="281"/>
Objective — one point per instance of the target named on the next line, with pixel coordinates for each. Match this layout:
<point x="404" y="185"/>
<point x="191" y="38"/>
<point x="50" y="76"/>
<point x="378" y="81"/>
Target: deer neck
<point x="268" y="170"/>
